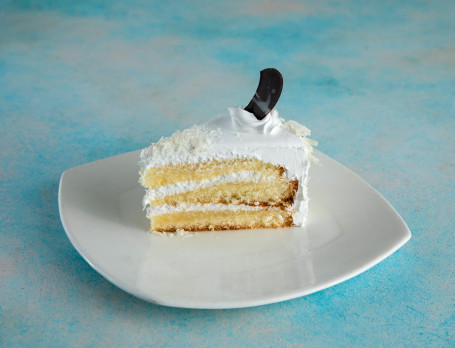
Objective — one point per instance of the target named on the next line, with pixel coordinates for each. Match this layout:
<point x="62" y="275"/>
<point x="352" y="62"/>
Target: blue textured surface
<point x="84" y="80"/>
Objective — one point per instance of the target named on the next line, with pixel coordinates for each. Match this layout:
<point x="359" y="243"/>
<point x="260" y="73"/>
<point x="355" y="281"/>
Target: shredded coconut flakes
<point x="302" y="132"/>
<point x="179" y="145"/>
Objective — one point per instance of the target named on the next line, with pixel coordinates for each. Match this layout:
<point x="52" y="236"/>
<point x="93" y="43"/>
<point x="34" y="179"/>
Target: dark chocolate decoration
<point x="267" y="93"/>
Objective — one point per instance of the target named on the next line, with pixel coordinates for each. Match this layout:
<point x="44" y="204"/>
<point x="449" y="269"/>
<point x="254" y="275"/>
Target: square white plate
<point x="350" y="228"/>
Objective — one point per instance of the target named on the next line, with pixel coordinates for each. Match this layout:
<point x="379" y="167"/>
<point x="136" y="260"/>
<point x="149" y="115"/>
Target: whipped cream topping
<point x="244" y="121"/>
<point x="183" y="146"/>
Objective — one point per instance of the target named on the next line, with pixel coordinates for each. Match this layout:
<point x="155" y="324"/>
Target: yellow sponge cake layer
<point x="276" y="193"/>
<point x="221" y="220"/>
<point x="172" y="174"/>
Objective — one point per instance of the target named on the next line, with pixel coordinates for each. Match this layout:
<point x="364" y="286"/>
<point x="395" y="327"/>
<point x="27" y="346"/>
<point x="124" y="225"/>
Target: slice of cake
<point x="235" y="172"/>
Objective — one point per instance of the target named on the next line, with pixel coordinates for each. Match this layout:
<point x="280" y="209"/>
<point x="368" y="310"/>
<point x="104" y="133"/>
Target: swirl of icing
<point x="246" y="122"/>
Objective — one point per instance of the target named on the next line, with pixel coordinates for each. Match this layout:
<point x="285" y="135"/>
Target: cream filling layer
<point x="245" y="176"/>
<point x="165" y="209"/>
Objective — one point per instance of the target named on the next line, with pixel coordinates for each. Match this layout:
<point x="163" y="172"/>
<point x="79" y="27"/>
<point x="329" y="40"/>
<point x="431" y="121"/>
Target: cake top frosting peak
<point x="245" y="122"/>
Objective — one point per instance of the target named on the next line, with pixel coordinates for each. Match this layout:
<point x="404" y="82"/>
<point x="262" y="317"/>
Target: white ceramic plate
<point x="350" y="228"/>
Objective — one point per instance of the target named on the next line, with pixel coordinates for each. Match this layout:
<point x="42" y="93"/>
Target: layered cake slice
<point x="235" y="172"/>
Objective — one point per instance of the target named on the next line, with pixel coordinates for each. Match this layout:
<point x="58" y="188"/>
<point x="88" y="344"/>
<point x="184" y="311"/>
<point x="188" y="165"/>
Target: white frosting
<point x="245" y="122"/>
<point x="239" y="135"/>
<point x="182" y="147"/>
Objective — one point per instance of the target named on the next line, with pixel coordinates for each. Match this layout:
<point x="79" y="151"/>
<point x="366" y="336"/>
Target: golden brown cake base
<point x="222" y="220"/>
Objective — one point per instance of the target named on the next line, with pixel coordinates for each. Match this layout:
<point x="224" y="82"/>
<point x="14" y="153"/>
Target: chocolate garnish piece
<point x="267" y="93"/>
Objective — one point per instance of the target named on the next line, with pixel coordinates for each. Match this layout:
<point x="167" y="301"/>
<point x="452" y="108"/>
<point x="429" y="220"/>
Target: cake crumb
<point x="180" y="232"/>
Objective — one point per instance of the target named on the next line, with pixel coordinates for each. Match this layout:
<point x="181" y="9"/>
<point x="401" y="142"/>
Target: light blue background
<point x="84" y="80"/>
